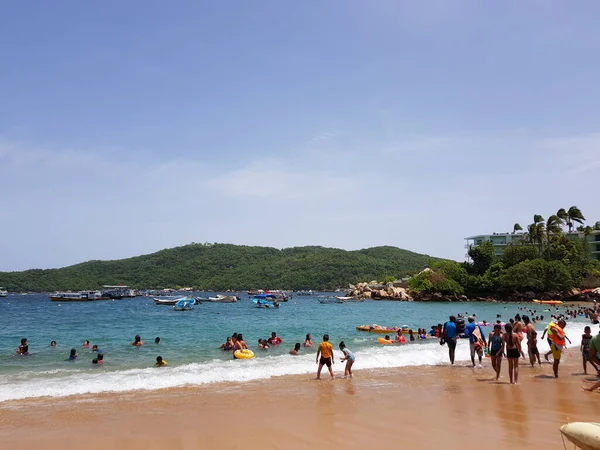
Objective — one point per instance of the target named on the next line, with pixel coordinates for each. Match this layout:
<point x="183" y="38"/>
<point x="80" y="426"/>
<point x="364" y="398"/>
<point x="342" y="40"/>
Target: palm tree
<point x="536" y="231"/>
<point x="518" y="227"/>
<point x="574" y="215"/>
<point x="553" y="226"/>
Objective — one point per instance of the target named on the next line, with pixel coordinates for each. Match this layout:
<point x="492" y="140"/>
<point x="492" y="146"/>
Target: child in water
<point x="23" y="349"/>
<point x="349" y="358"/>
<point x="160" y="362"/>
<point x="99" y="360"/>
<point x="73" y="355"/>
<point x="296" y="349"/>
<point x="308" y="341"/>
<point x="533" y="350"/>
<point x="86" y="344"/>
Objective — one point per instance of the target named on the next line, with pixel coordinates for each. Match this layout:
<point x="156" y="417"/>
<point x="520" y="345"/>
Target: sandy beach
<point x="423" y="407"/>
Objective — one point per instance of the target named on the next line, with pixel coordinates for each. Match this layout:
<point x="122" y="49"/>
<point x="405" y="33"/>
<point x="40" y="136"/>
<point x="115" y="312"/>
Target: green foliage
<point x="482" y="256"/>
<point x="225" y="266"/>
<point x="536" y="275"/>
<point x="388" y="279"/>
<point x="517" y="253"/>
<point x="433" y="281"/>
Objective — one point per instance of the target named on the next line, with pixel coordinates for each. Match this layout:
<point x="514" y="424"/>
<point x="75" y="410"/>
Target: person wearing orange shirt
<point x="325" y="356"/>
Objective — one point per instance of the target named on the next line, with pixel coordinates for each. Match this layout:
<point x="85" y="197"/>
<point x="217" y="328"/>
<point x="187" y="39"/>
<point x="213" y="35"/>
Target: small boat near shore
<point x="3" y="292"/>
<point x="584" y="435"/>
<point x="350" y="299"/>
<point x="221" y="299"/>
<point x="167" y="301"/>
<point x="81" y="296"/>
<point x="185" y="304"/>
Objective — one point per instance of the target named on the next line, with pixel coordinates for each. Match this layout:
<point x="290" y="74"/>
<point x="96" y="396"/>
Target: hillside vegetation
<point x="226" y="266"/>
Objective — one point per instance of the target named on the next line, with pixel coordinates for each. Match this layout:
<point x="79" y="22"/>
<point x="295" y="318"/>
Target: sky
<point x="129" y="127"/>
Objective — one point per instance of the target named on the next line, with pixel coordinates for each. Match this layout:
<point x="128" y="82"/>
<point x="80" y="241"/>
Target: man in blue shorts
<point x="450" y="336"/>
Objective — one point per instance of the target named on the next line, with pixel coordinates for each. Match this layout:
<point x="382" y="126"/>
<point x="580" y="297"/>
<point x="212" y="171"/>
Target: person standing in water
<point x="450" y="335"/>
<point x="308" y="341"/>
<point x="511" y="346"/>
<point x="476" y="340"/>
<point x="495" y="349"/>
<point x="349" y="358"/>
<point x="325" y="352"/>
<point x="137" y="341"/>
<point x="558" y="343"/>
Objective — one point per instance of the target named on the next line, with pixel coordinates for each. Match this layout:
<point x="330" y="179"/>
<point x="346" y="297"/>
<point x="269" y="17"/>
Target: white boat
<point x="185" y="304"/>
<point x="350" y="299"/>
<point x="81" y="296"/>
<point x="167" y="300"/>
<point x="584" y="435"/>
<point x="3" y="292"/>
<point x="222" y="299"/>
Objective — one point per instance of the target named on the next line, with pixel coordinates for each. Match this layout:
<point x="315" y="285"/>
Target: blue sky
<point x="127" y="127"/>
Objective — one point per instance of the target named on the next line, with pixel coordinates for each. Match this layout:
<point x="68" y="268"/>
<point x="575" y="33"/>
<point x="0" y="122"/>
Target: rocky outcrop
<point x="379" y="291"/>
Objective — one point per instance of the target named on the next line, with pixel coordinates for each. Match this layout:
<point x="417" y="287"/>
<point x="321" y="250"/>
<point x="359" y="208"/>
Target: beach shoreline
<point x="378" y="407"/>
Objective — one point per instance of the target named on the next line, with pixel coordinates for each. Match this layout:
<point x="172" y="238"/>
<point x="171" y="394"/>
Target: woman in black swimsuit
<point x="512" y="344"/>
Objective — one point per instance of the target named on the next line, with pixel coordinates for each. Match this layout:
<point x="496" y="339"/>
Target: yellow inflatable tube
<point x="384" y="341"/>
<point x="243" y="354"/>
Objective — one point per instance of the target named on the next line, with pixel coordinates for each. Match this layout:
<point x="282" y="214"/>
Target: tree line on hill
<point x="219" y="267"/>
<point x="548" y="258"/>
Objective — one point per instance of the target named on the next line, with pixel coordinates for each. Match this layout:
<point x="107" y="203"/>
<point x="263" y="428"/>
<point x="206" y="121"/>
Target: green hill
<point x="226" y="266"/>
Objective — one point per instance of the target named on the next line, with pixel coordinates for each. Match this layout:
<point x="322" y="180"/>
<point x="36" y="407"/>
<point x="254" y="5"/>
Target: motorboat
<point x="222" y="299"/>
<point x="3" y="292"/>
<point x="167" y="300"/>
<point x="81" y="296"/>
<point x="262" y="302"/>
<point x="185" y="304"/>
<point x="350" y="299"/>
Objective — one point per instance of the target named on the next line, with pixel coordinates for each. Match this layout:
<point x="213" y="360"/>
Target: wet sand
<point x="422" y="407"/>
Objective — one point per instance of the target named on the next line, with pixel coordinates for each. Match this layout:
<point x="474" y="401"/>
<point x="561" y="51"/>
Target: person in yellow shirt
<point x="160" y="362"/>
<point x="325" y="356"/>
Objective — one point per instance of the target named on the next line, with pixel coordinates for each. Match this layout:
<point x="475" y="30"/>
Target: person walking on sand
<point x="594" y="353"/>
<point x="586" y="338"/>
<point x="495" y="349"/>
<point x="449" y="337"/>
<point x="558" y="343"/>
<point x="531" y="345"/>
<point x="325" y="356"/>
<point x="511" y="346"/>
<point x="548" y="335"/>
<point x="349" y="358"/>
<point x="476" y="340"/>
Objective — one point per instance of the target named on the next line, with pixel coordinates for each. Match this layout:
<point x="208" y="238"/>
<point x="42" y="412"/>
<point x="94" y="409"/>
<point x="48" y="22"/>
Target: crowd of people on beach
<point x="509" y="343"/>
<point x="507" y="340"/>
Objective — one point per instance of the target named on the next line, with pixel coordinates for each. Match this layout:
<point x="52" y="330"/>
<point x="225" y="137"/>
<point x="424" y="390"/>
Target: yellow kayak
<point x="391" y="330"/>
<point x="549" y="302"/>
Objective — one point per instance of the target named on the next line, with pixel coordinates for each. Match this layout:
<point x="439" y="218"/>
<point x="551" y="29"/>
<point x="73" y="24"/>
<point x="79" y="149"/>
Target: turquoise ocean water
<point x="189" y="340"/>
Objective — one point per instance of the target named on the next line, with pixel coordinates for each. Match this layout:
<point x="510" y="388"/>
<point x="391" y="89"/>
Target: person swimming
<point x="137" y="342"/>
<point x="157" y="340"/>
<point x="73" y="355"/>
<point x="308" y="341"/>
<point x="86" y="344"/>
<point x="263" y="344"/>
<point x="228" y="345"/>
<point x="52" y="343"/>
<point x="160" y="362"/>
<point x="23" y="349"/>
<point x="296" y="349"/>
<point x="98" y="360"/>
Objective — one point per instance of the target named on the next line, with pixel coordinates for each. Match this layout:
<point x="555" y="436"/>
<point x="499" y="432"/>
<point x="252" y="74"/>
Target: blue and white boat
<point x="185" y="304"/>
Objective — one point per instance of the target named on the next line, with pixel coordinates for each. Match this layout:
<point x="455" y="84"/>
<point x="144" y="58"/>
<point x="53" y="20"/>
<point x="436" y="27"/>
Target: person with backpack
<point x="476" y="340"/>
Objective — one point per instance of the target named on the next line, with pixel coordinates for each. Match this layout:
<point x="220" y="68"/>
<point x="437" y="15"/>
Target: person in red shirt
<point x="274" y="339"/>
